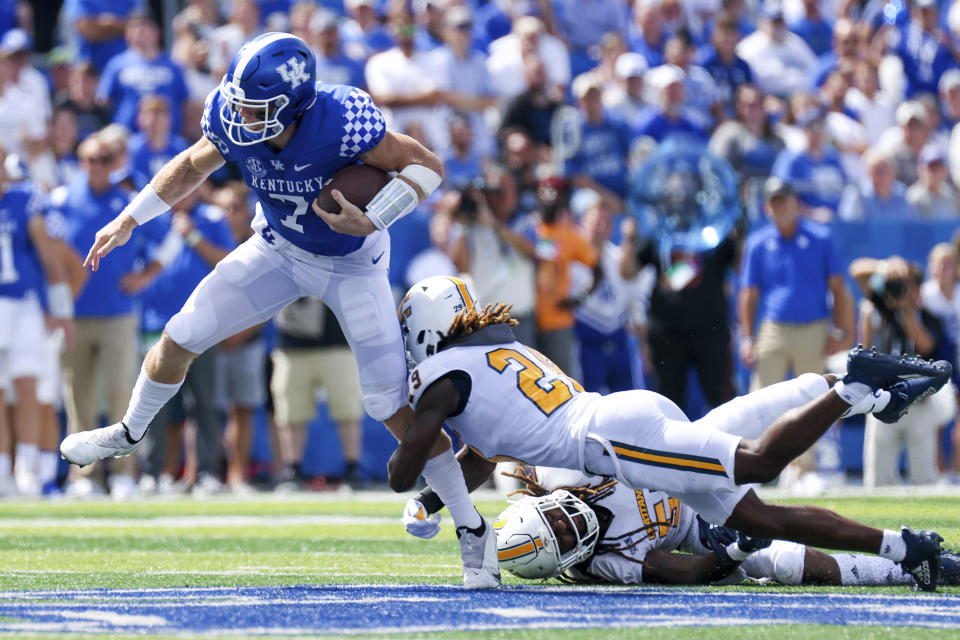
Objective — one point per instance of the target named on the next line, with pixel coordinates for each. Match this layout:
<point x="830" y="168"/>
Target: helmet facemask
<point x="244" y="133"/>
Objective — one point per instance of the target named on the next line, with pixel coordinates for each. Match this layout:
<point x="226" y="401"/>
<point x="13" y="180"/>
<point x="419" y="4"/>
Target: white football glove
<point x="417" y="522"/>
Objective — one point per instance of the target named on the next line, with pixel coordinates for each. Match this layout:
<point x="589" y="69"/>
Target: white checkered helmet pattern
<point x="527" y="545"/>
<point x="428" y="310"/>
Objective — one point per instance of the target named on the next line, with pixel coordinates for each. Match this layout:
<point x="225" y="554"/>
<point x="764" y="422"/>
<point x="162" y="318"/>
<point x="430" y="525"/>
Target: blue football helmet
<point x="273" y="76"/>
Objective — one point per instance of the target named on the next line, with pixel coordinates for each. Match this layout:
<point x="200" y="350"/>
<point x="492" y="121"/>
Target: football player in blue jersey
<point x="27" y="258"/>
<point x="289" y="135"/>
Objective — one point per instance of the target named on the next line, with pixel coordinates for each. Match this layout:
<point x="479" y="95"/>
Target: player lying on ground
<point x="289" y="135"/>
<point x="506" y="401"/>
<point x="592" y="529"/>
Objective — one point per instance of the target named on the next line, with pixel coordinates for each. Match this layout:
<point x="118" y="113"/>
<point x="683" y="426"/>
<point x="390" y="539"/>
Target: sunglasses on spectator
<point x="99" y="159"/>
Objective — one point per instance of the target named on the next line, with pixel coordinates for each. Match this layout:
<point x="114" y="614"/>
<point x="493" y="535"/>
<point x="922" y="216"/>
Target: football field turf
<point x="340" y="565"/>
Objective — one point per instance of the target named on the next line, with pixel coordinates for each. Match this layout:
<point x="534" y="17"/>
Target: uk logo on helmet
<point x="294" y="71"/>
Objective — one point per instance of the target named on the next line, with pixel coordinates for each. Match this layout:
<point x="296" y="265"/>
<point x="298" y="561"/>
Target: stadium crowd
<point x="541" y="111"/>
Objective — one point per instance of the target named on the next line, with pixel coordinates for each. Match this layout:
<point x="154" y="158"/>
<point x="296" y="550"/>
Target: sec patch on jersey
<point x="358" y="183"/>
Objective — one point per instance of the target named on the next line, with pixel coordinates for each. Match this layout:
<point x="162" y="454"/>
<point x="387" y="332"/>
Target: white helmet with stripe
<point x="428" y="310"/>
<point x="539" y="538"/>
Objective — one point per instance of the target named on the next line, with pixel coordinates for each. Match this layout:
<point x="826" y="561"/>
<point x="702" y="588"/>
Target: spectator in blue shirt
<point x="155" y="145"/>
<point x="584" y="22"/>
<point x="600" y="162"/>
<point x="920" y="46"/>
<point x="101" y="25"/>
<point x="815" y="173"/>
<point x="332" y="65"/>
<point x="463" y="165"/>
<point x="847" y="51"/>
<point x="666" y="119"/>
<point x="883" y="197"/>
<point x="144" y="69"/>
<point x="646" y="35"/>
<point x="728" y="70"/>
<point x="813" y="28"/>
<point x="363" y="34"/>
<point x="105" y="323"/>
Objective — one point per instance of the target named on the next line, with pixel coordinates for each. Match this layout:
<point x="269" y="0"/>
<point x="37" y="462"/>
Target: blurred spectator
<point x="81" y="98"/>
<point x="532" y="111"/>
<point x="428" y="15"/>
<point x="624" y="100"/>
<point x="143" y="69"/>
<point x="362" y="33"/>
<point x="812" y="27"/>
<point x="881" y="197"/>
<point x="645" y="34"/>
<point x="815" y="173"/>
<point x="301" y="14"/>
<point x="949" y="93"/>
<point x="64" y="135"/>
<point x="933" y="195"/>
<point x="558" y="244"/>
<point x="600" y="161"/>
<point x="847" y="135"/>
<point x="584" y="24"/>
<point x="312" y="354"/>
<point x="603" y="318"/>
<point x="436" y="259"/>
<point x="892" y="319"/>
<point x="155" y="145"/>
<point x="101" y="25"/>
<point x="728" y="70"/>
<point x="191" y="51"/>
<point x="243" y="24"/>
<point x="21" y="132"/>
<point x="463" y="164"/>
<point x="666" y="117"/>
<point x="332" y="65"/>
<point x="398" y="82"/>
<point x="520" y="156"/>
<point x="848" y="49"/>
<point x="611" y="47"/>
<point x="700" y="92"/>
<point x="493" y="246"/>
<point x="16" y="46"/>
<point x="188" y="244"/>
<point x="872" y="106"/>
<point x="921" y="47"/>
<point x="462" y="76"/>
<point x="105" y="341"/>
<point x="781" y="62"/>
<point x="904" y="142"/>
<point x="508" y="59"/>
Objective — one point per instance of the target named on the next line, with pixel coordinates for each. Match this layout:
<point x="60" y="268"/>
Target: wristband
<point x="193" y="238"/>
<point x="60" y="300"/>
<point x="146" y="206"/>
<point x="430" y="500"/>
<point x="395" y="200"/>
<point x="427" y="179"/>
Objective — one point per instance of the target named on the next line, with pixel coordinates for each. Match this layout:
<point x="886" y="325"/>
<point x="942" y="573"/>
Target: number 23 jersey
<point x="518" y="404"/>
<point x="341" y="125"/>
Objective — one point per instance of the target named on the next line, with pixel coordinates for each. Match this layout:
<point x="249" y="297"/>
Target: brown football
<point x="358" y="183"/>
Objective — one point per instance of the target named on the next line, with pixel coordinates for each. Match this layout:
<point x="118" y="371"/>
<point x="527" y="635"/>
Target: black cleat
<point x="880" y="370"/>
<point x="923" y="557"/>
<point x="949" y="569"/>
<point x="904" y="394"/>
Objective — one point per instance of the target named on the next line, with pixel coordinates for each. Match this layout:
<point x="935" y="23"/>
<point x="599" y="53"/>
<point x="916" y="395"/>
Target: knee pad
<point x="788" y="562"/>
<point x="380" y="406"/>
<point x="812" y="385"/>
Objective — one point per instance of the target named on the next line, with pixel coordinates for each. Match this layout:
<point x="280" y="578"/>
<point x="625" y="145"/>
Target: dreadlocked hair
<point x="620" y="545"/>
<point x="469" y="320"/>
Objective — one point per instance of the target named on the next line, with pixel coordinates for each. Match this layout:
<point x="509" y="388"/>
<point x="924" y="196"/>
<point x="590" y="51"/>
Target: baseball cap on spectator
<point x="911" y="110"/>
<point x="15" y="41"/>
<point x="458" y="16"/>
<point x="949" y="80"/>
<point x="665" y="75"/>
<point x="583" y="83"/>
<point x="932" y="154"/>
<point x="774" y="187"/>
<point x="630" y="65"/>
<point x="772" y="10"/>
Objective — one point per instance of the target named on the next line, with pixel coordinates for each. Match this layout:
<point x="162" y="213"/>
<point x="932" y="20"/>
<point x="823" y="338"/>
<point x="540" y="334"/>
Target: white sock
<point x="26" y="457"/>
<point x="852" y="392"/>
<point x="444" y="476"/>
<point x="870" y="571"/>
<point x="893" y="547"/>
<point x="6" y="465"/>
<point x="876" y="401"/>
<point x="147" y="399"/>
<point x="47" y="467"/>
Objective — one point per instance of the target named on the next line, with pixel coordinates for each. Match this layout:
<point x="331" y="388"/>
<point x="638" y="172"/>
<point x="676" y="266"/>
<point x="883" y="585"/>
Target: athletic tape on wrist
<point x="395" y="200"/>
<point x="427" y="179"/>
<point x="146" y="206"/>
<point x="735" y="553"/>
<point x="60" y="300"/>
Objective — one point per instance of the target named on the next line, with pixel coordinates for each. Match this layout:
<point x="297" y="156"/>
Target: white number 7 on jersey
<point x="291" y="220"/>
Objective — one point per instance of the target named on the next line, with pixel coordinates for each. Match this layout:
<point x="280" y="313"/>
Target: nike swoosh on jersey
<point x="301" y="167"/>
<point x="377" y="259"/>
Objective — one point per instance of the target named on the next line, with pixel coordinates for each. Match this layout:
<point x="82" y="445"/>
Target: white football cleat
<point x="86" y="447"/>
<point x="478" y="550"/>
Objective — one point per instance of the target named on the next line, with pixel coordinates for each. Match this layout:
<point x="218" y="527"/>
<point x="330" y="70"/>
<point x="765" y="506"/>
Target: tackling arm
<point x="437" y="403"/>
<point x="680" y="568"/>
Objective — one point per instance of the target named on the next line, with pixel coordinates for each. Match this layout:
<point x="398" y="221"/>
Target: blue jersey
<point x="20" y="272"/>
<point x="129" y="76"/>
<point x="145" y="161"/>
<point x="342" y="125"/>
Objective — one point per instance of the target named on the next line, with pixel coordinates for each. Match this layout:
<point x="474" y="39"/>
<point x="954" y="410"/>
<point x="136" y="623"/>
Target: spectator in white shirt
<point x="873" y="106"/>
<point x="507" y="54"/>
<point x="243" y="25"/>
<point x="781" y="62"/>
<point x="625" y="99"/>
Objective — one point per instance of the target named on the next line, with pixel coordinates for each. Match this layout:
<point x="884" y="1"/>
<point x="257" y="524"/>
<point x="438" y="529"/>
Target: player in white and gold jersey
<point x="506" y="401"/>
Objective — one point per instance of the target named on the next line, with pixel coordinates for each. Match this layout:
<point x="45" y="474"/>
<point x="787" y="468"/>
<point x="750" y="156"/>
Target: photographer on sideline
<point x="892" y="320"/>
